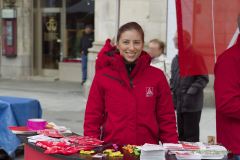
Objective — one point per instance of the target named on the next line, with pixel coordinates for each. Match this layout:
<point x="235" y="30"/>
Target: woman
<point x="156" y="51"/>
<point x="129" y="102"/>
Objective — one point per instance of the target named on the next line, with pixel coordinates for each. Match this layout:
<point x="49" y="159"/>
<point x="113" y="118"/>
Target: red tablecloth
<point x="33" y="154"/>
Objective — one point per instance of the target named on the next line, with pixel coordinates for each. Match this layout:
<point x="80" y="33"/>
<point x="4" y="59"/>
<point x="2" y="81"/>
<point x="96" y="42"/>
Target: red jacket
<point x="130" y="110"/>
<point x="227" y="94"/>
<point x="104" y="56"/>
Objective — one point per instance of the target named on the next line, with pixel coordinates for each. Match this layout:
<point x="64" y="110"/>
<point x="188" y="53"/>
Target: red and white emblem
<point x="149" y="91"/>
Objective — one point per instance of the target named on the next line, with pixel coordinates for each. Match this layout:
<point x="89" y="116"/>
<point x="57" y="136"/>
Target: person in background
<point x="227" y="96"/>
<point x="156" y="51"/>
<point x="130" y="101"/>
<point x="187" y="96"/>
<point x="85" y="44"/>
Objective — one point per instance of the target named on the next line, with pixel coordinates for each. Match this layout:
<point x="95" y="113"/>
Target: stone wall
<point x="20" y="67"/>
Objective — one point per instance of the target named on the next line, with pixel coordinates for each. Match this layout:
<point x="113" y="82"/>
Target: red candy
<point x="51" y="133"/>
<point x="69" y="145"/>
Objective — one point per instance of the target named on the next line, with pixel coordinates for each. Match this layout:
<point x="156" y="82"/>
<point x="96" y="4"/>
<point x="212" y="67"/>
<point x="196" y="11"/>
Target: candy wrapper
<point x="49" y="144"/>
<point x="50" y="133"/>
<point x="84" y="142"/>
<point x="68" y="145"/>
<point x="57" y="147"/>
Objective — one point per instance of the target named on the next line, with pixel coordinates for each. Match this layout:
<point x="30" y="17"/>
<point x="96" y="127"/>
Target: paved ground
<point x="64" y="104"/>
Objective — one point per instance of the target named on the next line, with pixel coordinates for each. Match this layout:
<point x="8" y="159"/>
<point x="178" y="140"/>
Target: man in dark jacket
<point x="188" y="98"/>
<point x="85" y="44"/>
<point x="227" y="95"/>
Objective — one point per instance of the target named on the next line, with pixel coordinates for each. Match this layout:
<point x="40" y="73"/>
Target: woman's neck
<point x="129" y="66"/>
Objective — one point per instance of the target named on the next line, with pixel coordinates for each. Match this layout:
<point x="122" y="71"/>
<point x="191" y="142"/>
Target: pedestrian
<point x="130" y="101"/>
<point x="227" y="96"/>
<point x="85" y="44"/>
<point x="187" y="96"/>
<point x="156" y="51"/>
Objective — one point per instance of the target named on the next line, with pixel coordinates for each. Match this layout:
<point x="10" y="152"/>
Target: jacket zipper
<point x="131" y="82"/>
<point x="113" y="78"/>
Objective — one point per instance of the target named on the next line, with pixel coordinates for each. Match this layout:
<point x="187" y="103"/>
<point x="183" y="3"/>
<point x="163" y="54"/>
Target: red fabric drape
<point x="205" y="29"/>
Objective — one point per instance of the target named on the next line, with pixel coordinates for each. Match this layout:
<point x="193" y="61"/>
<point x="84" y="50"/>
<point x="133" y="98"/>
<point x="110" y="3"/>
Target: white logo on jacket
<point x="149" y="91"/>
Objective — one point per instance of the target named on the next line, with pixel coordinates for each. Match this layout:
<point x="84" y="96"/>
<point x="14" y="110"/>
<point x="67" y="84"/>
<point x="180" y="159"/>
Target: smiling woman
<point x="130" y="41"/>
<point x="129" y="101"/>
<point x="130" y="45"/>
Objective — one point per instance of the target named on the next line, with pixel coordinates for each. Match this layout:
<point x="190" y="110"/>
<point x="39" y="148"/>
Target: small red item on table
<point x="69" y="145"/>
<point x="51" y="133"/>
<point x="20" y="130"/>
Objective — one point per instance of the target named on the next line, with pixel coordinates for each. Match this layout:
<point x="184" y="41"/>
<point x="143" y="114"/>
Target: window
<point x="78" y="14"/>
<point x="51" y="3"/>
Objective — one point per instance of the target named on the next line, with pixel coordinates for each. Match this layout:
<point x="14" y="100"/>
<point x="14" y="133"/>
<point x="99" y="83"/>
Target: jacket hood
<point x="105" y="55"/>
<point x="110" y="57"/>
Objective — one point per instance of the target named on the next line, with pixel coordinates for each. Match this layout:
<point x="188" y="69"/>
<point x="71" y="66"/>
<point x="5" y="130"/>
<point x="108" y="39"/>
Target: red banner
<point x="205" y="29"/>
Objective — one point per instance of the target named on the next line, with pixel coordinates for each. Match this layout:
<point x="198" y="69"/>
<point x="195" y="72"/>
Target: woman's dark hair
<point x="130" y="26"/>
<point x="238" y="21"/>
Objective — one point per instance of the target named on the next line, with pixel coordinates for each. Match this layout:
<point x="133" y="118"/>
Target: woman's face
<point x="130" y="45"/>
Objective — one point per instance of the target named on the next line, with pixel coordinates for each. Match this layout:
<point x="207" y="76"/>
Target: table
<point x="33" y="152"/>
<point x="15" y="111"/>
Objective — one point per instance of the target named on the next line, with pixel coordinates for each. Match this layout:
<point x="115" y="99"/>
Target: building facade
<point x="39" y="36"/>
